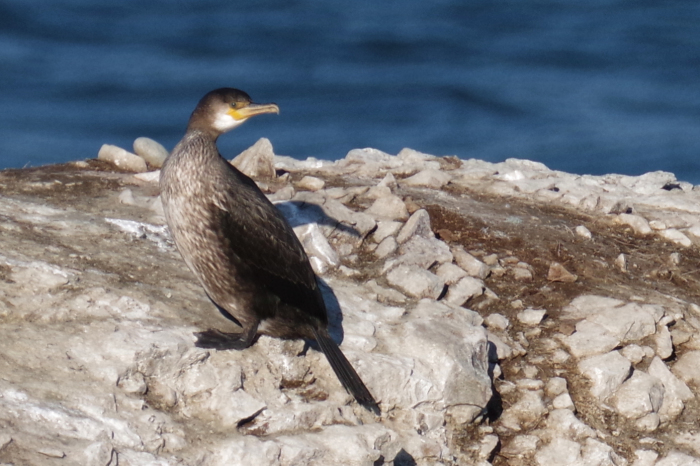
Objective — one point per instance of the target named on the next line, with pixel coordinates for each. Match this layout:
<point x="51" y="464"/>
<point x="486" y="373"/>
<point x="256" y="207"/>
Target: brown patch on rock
<point x="558" y="273"/>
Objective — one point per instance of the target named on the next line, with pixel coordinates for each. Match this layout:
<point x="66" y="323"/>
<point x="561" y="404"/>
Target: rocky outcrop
<point x="484" y="305"/>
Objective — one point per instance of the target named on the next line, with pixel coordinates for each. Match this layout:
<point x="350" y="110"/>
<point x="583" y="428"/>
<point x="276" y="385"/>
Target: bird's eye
<point x="234" y="104"/>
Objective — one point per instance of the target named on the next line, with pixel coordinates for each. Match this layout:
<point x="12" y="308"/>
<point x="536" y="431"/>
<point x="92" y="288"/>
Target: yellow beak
<point x="252" y="110"/>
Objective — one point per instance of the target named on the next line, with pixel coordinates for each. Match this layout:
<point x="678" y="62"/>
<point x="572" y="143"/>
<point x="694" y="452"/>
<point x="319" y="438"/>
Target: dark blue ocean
<point x="587" y="87"/>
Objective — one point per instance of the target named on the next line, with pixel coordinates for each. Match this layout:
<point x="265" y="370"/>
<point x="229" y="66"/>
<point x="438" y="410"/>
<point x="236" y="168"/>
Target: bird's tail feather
<point x="345" y="372"/>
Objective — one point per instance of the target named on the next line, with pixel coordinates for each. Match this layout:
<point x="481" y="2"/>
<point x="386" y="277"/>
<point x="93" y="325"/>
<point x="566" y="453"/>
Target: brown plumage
<point x="239" y="246"/>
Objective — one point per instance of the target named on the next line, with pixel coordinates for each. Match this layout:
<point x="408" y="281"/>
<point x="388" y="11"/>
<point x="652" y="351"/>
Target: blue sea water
<point x="587" y="87"/>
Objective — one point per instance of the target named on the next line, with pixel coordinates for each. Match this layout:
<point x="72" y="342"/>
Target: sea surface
<point x="589" y="87"/>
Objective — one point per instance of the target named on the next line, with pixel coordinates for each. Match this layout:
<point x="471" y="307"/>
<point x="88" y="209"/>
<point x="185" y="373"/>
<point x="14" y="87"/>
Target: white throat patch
<point x="225" y="122"/>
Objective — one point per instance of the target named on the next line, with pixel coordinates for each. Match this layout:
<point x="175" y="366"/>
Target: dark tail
<point x="345" y="372"/>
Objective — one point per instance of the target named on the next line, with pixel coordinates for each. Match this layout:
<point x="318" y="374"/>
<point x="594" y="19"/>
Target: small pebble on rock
<point x="639" y="224"/>
<point x="621" y="262"/>
<point x="450" y="272"/>
<point x="583" y="232"/>
<point x="464" y="290"/>
<point x="556" y="386"/>
<point x="122" y="159"/>
<point x="417" y="224"/>
<point x="530" y="317"/>
<point x="521" y="274"/>
<point x="435" y="179"/>
<point x="310" y="183"/>
<point x="491" y="259"/>
<point x="151" y="151"/>
<point x="257" y="161"/>
<point x="633" y="352"/>
<point x="676" y="236"/>
<point x="384" y="229"/>
<point x="470" y="264"/>
<point x="563" y="401"/>
<point x="606" y="373"/>
<point x="388" y="208"/>
<point x="558" y="273"/>
<point x="386" y="247"/>
<point x="496" y="321"/>
<point x="416" y="281"/>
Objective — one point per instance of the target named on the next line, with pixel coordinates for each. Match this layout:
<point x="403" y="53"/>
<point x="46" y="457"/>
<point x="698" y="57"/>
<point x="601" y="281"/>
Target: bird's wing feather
<point x="255" y="232"/>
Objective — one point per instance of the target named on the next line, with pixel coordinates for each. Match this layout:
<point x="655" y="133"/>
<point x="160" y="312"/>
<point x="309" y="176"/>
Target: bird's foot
<point x="214" y="339"/>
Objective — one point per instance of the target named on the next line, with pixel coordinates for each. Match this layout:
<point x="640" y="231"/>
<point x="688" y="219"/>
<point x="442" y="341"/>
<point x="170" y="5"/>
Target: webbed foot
<point x="215" y="339"/>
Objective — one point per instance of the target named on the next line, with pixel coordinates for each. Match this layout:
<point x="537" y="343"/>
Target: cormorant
<point x="239" y="246"/>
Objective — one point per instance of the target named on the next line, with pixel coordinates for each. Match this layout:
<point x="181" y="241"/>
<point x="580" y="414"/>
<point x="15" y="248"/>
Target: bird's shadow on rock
<point x="335" y="313"/>
<point x="494" y="408"/>
<point x="299" y="213"/>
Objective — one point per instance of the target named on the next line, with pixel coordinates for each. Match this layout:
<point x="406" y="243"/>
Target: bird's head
<point x="221" y="110"/>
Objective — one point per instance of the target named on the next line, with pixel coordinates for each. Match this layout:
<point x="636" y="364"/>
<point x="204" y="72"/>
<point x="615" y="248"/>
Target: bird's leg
<point x="214" y="339"/>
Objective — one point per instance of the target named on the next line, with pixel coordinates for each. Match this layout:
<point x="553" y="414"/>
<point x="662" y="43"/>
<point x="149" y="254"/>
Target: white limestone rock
<point x="590" y="339"/>
<point x="628" y="323"/>
<point x="317" y="247"/>
<point x="606" y="373"/>
<point x="388" y="182"/>
<point x="520" y="447"/>
<point x="638" y="396"/>
<point x="501" y="349"/>
<point x="521" y="274"/>
<point x="151" y="151"/>
<point x="450" y="273"/>
<point x="429" y="178"/>
<point x="634" y="353"/>
<point x="583" y="232"/>
<point x="149" y="177"/>
<point x="558" y="273"/>
<point x="645" y="458"/>
<point x="283" y="194"/>
<point x="421" y="252"/>
<point x="585" y="305"/>
<point x="386" y="295"/>
<point x="416" y="281"/>
<point x="258" y="161"/>
<point x="676" y="236"/>
<point x="663" y="342"/>
<point x="496" y="322"/>
<point x="621" y="262"/>
<point x="98" y="454"/>
<point x="122" y="158"/>
<point x="310" y="183"/>
<point x="531" y="317"/>
<point x="676" y="392"/>
<point x="386" y="247"/>
<point x="525" y="412"/>
<point x="291" y="164"/>
<point x="564" y="423"/>
<point x="449" y="359"/>
<point x="408" y="155"/>
<point x="464" y="290"/>
<point x="417" y="224"/>
<point x="556" y="386"/>
<point x="488" y="445"/>
<point x="559" y="452"/>
<point x="470" y="264"/>
<point x="639" y="224"/>
<point x="563" y="401"/>
<point x="384" y="229"/>
<point x="676" y="458"/>
<point x="388" y="208"/>
<point x="687" y="368"/>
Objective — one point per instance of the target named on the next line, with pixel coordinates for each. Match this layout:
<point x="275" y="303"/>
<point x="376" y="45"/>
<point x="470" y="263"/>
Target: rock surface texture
<point x="483" y="304"/>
